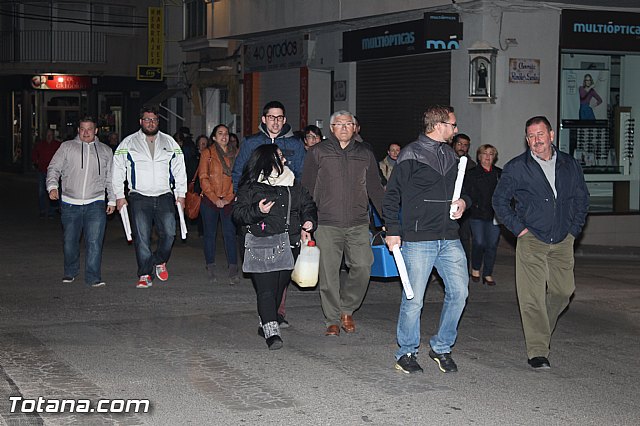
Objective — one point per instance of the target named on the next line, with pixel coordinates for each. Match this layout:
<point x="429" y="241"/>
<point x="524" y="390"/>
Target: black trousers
<point x="269" y="288"/>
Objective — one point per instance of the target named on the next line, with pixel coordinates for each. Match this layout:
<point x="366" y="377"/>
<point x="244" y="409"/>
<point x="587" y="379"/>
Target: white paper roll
<point x="125" y="222"/>
<point x="402" y="269"/>
<point x="183" y="225"/>
<point x="457" y="189"/>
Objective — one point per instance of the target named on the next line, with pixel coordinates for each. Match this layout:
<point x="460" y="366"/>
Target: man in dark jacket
<point x="461" y="144"/>
<point x="422" y="182"/>
<point x="273" y="129"/>
<point x="341" y="175"/>
<point x="551" y="204"/>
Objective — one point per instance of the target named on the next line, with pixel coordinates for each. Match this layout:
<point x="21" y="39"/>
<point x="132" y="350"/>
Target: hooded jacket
<point x="292" y="148"/>
<point x="85" y="170"/>
<point x="341" y="182"/>
<point x="422" y="182"/>
<point x="149" y="176"/>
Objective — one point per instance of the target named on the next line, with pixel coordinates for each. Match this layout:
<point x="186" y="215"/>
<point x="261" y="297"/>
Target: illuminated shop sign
<point x="582" y="29"/>
<point x="437" y="31"/>
<point x="388" y="40"/>
<point x="60" y="82"/>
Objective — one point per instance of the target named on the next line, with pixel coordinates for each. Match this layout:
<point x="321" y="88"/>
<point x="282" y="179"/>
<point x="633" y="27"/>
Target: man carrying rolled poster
<point x="422" y="182"/>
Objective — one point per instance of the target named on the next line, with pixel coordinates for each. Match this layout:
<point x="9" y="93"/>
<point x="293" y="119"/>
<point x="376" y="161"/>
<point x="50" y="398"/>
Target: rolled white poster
<point x="457" y="189"/>
<point x="125" y="222"/>
<point x="183" y="225"/>
<point x="402" y="270"/>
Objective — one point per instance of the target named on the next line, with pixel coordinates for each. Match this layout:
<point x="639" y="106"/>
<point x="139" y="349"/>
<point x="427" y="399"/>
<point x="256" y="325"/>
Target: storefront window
<point x="597" y="110"/>
<point x="600" y="103"/>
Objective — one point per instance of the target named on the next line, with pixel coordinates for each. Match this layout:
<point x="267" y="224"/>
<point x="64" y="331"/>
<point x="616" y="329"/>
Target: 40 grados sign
<point x="276" y="54"/>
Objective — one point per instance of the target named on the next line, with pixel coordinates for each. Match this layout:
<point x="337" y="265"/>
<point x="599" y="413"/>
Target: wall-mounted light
<point x="482" y="73"/>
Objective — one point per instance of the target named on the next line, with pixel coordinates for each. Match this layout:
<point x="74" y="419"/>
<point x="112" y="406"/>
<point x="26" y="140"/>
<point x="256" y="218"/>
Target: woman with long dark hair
<point x="214" y="171"/>
<point x="261" y="208"/>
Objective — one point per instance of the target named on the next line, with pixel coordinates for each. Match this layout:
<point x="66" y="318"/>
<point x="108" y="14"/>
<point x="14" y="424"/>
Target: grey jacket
<point x="85" y="170"/>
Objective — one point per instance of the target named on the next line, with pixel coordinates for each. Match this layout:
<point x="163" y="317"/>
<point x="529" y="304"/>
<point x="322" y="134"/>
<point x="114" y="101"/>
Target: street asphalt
<point x="191" y="347"/>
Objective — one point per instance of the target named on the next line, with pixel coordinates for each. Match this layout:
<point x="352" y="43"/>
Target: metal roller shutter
<point x="391" y="96"/>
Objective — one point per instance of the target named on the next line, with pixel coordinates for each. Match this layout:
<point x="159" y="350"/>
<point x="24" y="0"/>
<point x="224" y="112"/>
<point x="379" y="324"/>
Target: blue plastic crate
<point x="383" y="263"/>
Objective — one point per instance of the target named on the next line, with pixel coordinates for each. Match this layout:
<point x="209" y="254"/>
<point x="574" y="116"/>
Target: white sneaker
<point x="99" y="284"/>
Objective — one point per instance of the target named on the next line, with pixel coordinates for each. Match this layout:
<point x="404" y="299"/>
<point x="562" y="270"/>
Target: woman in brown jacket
<point x="214" y="171"/>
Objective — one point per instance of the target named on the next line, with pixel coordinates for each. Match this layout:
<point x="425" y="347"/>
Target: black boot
<point x="274" y="342"/>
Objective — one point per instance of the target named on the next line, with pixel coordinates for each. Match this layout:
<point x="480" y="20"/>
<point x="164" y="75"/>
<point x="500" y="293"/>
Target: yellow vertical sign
<point x="156" y="36"/>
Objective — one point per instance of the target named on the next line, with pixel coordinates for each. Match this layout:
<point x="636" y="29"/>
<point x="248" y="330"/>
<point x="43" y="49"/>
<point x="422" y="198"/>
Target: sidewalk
<point x="191" y="348"/>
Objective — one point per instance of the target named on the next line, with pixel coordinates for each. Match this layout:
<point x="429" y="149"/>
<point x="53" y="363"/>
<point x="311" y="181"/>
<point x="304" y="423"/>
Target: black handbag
<point x="268" y="254"/>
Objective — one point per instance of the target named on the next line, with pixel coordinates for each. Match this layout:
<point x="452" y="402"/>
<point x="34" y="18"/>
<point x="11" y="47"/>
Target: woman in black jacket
<point x="261" y="209"/>
<point x="480" y="182"/>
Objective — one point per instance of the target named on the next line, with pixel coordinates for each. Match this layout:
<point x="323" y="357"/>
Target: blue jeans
<point x="145" y="212"/>
<point x="210" y="215"/>
<point x="484" y="245"/>
<point x="92" y="220"/>
<point x="46" y="206"/>
<point x="449" y="259"/>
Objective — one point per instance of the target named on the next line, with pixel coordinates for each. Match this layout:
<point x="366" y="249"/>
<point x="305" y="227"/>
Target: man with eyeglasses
<point x="273" y="129"/>
<point x="551" y="205"/>
<point x="422" y="184"/>
<point x="152" y="163"/>
<point x="312" y="135"/>
<point x="341" y="175"/>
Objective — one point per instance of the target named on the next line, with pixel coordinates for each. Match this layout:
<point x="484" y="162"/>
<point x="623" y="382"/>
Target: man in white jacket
<point x="84" y="166"/>
<point x="153" y="165"/>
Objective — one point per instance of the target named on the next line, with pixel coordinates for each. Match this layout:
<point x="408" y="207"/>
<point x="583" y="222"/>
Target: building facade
<point x="385" y="62"/>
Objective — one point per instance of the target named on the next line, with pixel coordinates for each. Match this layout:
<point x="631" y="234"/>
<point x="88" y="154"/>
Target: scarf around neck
<point x="285" y="179"/>
<point x="230" y="154"/>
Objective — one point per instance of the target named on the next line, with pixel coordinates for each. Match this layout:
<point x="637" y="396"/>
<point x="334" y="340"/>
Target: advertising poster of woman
<point x="586" y="94"/>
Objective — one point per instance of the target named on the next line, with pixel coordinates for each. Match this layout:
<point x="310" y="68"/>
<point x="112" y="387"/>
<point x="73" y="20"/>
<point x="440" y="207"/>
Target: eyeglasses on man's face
<point x="348" y="125"/>
<point x="311" y="137"/>
<point x="278" y="118"/>
<point x="453" y="125"/>
<point x="150" y="120"/>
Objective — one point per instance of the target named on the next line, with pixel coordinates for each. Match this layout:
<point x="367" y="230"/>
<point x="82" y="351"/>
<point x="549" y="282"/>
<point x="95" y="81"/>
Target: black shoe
<point x="283" y="323"/>
<point x="444" y="361"/>
<point x="274" y="342"/>
<point x="408" y="364"/>
<point x="539" y="363"/>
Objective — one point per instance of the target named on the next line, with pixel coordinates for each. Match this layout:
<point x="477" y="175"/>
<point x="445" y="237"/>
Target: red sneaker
<point x="161" y="272"/>
<point x="144" y="281"/>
